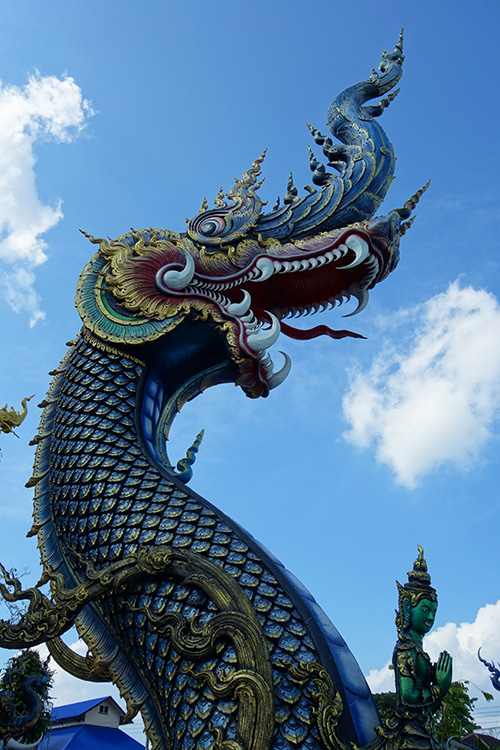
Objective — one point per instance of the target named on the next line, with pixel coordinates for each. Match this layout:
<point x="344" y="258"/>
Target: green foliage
<point x="19" y="668"/>
<point x="454" y="718"/>
<point x="386" y="704"/>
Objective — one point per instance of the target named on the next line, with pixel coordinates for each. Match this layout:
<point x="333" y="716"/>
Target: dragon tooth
<point x="252" y="327"/>
<point x="360" y="248"/>
<point x="265" y="267"/>
<point x="173" y="279"/>
<point x="263" y="340"/>
<point x="363" y="298"/>
<point x="248" y="317"/>
<point x="278" y="377"/>
<point x="240" y="308"/>
<point x="268" y="364"/>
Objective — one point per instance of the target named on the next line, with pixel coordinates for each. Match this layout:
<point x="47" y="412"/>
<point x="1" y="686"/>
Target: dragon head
<point x="243" y="271"/>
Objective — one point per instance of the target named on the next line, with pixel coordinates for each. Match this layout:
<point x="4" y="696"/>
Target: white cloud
<point x="462" y="642"/>
<point x="47" y="108"/>
<point x="432" y="401"/>
<point x="68" y="689"/>
<point x="381" y="680"/>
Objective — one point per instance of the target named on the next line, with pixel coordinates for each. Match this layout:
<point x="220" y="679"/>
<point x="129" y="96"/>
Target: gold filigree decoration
<point x="252" y="684"/>
<point x="87" y="667"/>
<point x="255" y="723"/>
<point x="329" y="703"/>
<point x="236" y="621"/>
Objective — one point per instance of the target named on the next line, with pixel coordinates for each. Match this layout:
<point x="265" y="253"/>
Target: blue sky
<point x="133" y="115"/>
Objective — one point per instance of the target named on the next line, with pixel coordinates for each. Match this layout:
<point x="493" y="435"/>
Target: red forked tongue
<point x="312" y="333"/>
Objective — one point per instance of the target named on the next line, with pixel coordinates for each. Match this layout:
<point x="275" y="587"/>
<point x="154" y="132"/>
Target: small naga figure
<point x="492" y="669"/>
<point x="24" y="713"/>
<point x="420" y="684"/>
<point x="10" y="418"/>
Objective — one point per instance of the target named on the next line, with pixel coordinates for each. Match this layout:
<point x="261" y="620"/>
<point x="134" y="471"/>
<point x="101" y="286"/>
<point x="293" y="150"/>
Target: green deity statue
<point x="420" y="684"/>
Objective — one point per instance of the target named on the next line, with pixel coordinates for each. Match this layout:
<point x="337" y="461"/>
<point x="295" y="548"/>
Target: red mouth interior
<point x="300" y="288"/>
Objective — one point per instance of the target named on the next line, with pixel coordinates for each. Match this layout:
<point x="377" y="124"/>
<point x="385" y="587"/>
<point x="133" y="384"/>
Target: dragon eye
<point x="212" y="225"/>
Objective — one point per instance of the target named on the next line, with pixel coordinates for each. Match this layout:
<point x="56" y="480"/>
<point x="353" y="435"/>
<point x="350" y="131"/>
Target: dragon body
<point x="202" y="629"/>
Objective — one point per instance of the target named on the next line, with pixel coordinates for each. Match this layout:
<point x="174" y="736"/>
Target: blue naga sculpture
<point x="493" y="669"/>
<point x="24" y="690"/>
<point x="203" y="630"/>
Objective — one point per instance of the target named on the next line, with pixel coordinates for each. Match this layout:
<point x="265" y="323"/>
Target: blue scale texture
<point x="108" y="500"/>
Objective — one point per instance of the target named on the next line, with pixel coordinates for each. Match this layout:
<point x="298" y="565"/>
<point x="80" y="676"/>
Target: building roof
<point x="88" y="737"/>
<point x="74" y="710"/>
<point x="478" y="739"/>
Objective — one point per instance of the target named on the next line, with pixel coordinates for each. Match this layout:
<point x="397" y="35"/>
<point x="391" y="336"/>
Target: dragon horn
<point x="408" y="207"/>
<point x="405" y="226"/>
<point x="399" y="44"/>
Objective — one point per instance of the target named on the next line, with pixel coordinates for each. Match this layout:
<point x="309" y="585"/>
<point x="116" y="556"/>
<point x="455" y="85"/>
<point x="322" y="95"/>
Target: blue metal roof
<point x="88" y="737"/>
<point x="73" y="710"/>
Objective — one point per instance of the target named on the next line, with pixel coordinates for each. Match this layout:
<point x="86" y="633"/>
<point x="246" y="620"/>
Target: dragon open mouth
<point x="290" y="280"/>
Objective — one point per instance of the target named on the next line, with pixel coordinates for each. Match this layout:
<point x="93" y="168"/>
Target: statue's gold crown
<point x="419" y="575"/>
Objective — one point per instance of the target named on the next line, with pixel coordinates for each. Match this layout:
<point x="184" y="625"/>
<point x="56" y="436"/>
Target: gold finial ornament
<point x="10" y="418"/>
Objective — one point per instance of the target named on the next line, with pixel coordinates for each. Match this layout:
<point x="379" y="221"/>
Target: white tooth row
<point x="257" y="340"/>
<point x="373" y="266"/>
<point x="266" y="267"/>
<point x="250" y="322"/>
<point x="206" y="293"/>
<point x="288" y="266"/>
<point x="268" y="366"/>
<point x="338" y="299"/>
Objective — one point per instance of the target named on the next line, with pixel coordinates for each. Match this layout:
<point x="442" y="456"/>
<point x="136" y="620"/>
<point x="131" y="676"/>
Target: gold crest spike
<point x="219" y="201"/>
<point x="249" y="177"/>
<point x="203" y="206"/>
<point x="91" y="238"/>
